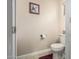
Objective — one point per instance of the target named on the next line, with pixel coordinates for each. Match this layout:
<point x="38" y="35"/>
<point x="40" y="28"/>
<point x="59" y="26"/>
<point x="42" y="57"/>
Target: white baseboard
<point x="35" y="55"/>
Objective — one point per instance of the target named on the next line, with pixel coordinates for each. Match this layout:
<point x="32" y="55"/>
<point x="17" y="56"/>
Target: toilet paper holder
<point x="43" y="36"/>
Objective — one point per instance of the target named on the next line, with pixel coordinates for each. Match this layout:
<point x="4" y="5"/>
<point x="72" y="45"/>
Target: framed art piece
<point x="34" y="8"/>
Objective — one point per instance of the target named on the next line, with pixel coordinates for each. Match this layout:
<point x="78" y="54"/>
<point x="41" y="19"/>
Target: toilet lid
<point x="57" y="45"/>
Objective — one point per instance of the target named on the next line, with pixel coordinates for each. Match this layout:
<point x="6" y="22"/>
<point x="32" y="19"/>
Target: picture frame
<point x="34" y="8"/>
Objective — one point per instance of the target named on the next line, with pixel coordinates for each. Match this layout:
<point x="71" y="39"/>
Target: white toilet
<point x="58" y="47"/>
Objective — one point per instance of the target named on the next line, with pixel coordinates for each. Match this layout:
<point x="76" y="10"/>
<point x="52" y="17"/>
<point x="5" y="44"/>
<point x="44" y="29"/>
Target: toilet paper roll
<point x="43" y="36"/>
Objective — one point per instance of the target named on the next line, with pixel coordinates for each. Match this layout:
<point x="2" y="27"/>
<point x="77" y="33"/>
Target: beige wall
<point x="29" y="27"/>
<point x="62" y="15"/>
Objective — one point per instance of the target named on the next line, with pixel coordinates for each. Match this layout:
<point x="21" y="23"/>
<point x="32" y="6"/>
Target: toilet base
<point x="56" y="56"/>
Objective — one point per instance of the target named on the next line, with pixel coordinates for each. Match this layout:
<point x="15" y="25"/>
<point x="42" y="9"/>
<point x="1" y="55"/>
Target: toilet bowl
<point x="56" y="49"/>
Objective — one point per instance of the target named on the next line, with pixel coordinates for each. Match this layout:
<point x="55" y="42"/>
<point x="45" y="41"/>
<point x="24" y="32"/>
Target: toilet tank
<point x="62" y="38"/>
